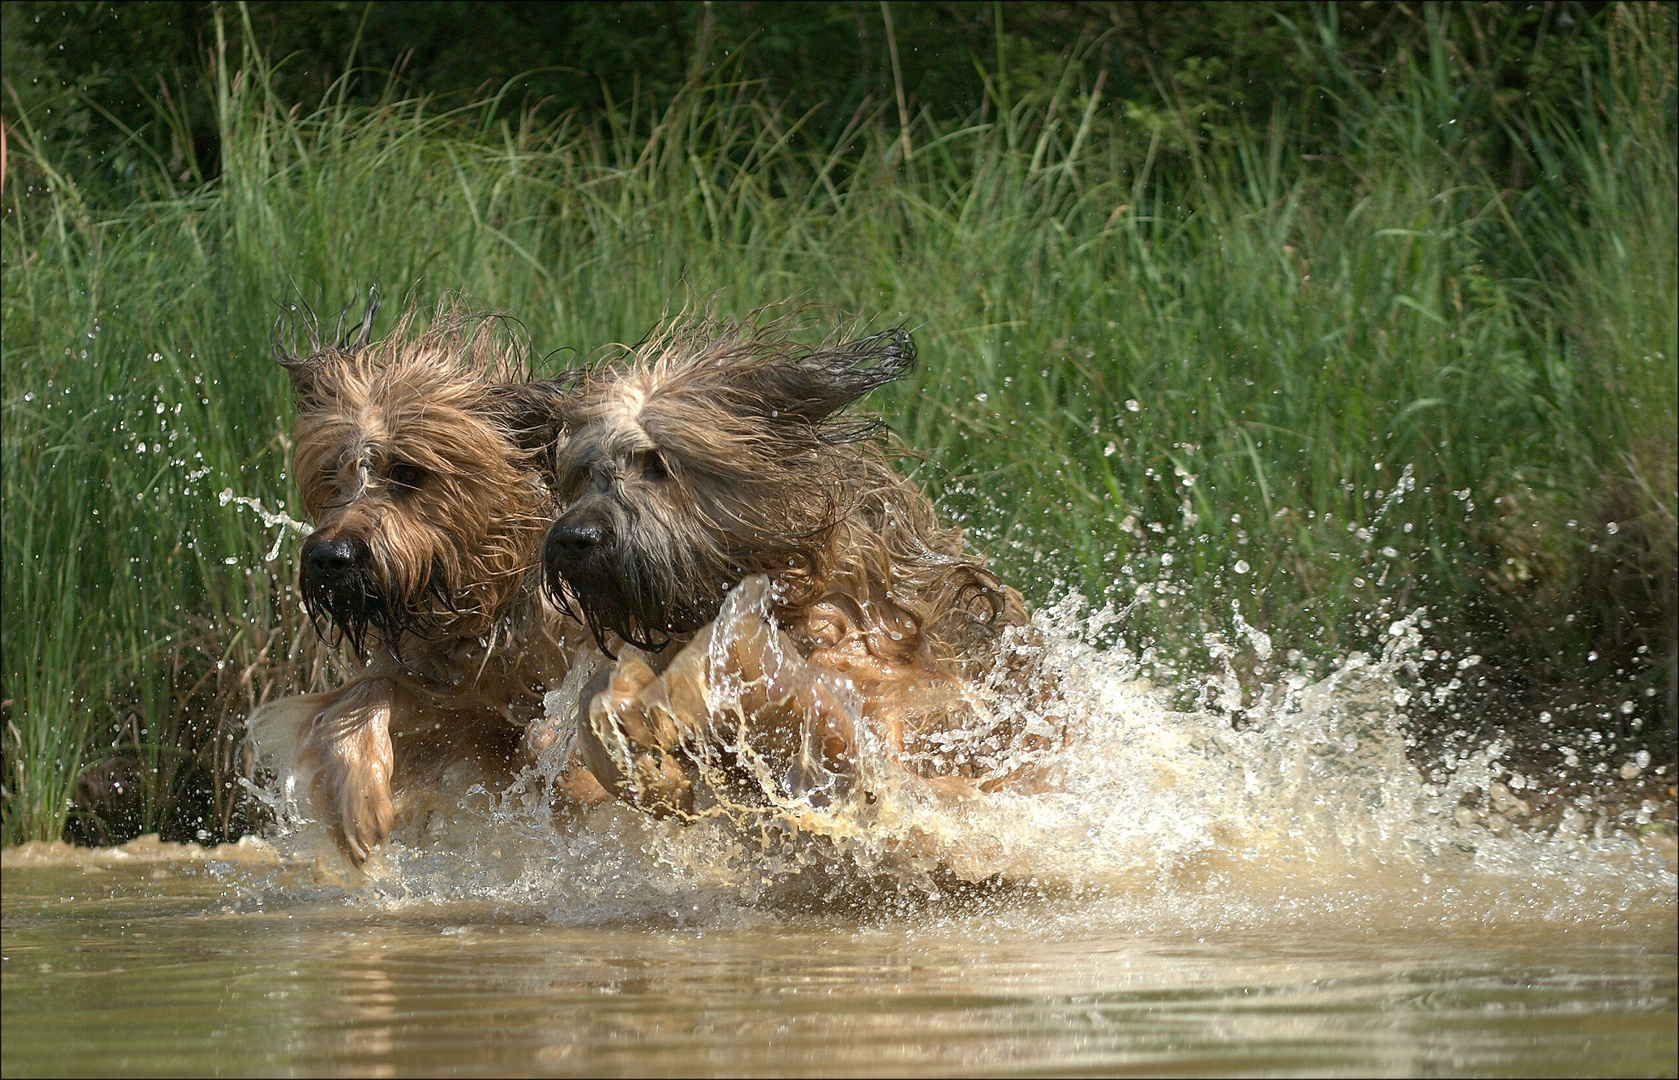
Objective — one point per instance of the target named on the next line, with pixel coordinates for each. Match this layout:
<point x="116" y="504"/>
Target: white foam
<point x="1308" y="808"/>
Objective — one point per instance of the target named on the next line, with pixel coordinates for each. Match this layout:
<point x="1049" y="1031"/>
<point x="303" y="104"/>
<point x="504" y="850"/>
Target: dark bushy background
<point x="1227" y="63"/>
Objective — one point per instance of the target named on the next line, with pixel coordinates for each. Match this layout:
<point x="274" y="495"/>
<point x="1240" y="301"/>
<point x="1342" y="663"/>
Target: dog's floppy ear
<point x="534" y="414"/>
<point x="818" y="384"/>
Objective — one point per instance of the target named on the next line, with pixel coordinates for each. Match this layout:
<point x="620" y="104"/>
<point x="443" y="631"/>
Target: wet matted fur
<point x="716" y="469"/>
<point x="418" y="461"/>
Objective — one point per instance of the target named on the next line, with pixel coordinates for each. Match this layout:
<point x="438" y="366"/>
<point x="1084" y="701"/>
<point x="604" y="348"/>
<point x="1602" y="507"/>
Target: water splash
<point x="270" y="518"/>
<point x="1290" y="798"/>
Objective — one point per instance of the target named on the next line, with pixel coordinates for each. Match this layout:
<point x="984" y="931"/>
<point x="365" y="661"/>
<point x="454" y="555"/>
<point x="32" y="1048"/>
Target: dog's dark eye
<point x="405" y="475"/>
<point x="653" y="467"/>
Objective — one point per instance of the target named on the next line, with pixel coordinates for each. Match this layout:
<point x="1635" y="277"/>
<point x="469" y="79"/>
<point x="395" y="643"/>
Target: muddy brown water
<point x="161" y="964"/>
<point x="1291" y="898"/>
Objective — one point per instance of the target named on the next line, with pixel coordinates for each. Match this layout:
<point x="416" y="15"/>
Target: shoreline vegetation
<point x="1402" y="341"/>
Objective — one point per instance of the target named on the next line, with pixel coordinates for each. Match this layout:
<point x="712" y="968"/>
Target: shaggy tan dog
<point x="417" y="457"/>
<point x="781" y="583"/>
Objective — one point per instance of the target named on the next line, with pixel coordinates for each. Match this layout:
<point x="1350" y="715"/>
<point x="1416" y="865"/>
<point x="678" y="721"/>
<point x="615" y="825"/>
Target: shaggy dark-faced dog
<point x="780" y="582"/>
<point x="417" y="460"/>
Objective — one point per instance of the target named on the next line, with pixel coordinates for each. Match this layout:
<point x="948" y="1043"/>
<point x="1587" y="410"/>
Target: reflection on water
<point x="1287" y="894"/>
<point x="157" y="967"/>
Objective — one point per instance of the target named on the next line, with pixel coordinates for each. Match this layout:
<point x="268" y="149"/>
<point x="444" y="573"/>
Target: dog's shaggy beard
<point x="665" y="569"/>
<point x="357" y="607"/>
<point x="644" y="602"/>
<point x="645" y="584"/>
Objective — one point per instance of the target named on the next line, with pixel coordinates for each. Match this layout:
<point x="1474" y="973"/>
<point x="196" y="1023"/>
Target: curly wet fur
<point x="446" y="546"/>
<point x="418" y="459"/>
<point x="715" y="451"/>
<point x="725" y="513"/>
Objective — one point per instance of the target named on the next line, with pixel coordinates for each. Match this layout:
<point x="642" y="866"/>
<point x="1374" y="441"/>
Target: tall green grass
<point x="1323" y="383"/>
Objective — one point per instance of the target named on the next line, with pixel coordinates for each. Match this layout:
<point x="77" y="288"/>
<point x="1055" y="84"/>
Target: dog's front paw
<point x="541" y="737"/>
<point x="631" y="745"/>
<point x="349" y="749"/>
<point x="573" y="783"/>
<point x="366" y="811"/>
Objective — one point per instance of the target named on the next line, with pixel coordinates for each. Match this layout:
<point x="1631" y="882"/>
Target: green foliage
<point x="1320" y="364"/>
<point x="1216" y="65"/>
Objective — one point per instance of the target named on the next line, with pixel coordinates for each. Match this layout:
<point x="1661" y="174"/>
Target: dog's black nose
<point x="334" y="558"/>
<point x="570" y="542"/>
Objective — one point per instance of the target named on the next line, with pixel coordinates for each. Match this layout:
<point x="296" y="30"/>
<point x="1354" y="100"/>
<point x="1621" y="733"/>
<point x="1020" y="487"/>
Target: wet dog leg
<point x="347" y="749"/>
<point x="739" y="689"/>
<point x="629" y="747"/>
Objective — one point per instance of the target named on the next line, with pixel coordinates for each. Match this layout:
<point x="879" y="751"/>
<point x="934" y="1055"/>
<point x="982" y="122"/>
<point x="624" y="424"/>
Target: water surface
<point x="206" y="968"/>
<point x="1288" y="895"/>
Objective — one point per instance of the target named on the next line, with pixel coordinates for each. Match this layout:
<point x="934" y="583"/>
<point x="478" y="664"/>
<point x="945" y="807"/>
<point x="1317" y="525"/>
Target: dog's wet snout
<point x="330" y="559"/>
<point x="570" y="542"/>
